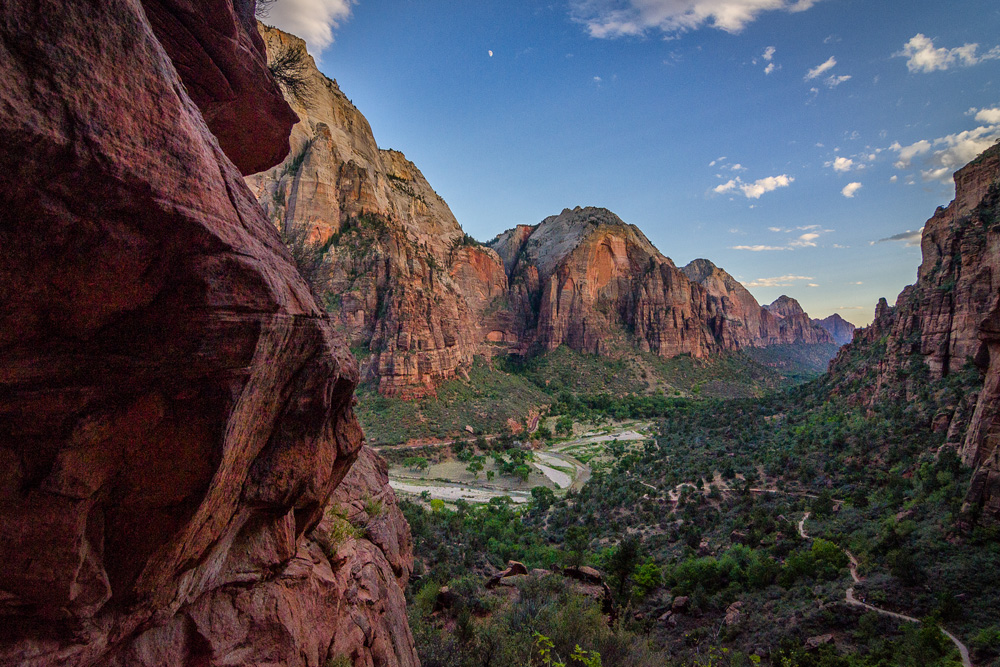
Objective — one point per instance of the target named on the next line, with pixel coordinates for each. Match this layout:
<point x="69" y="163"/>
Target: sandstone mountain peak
<point x="419" y="299"/>
<point x="785" y="306"/>
<point x="841" y="330"/>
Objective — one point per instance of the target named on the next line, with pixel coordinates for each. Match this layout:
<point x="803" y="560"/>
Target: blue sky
<point x="782" y="139"/>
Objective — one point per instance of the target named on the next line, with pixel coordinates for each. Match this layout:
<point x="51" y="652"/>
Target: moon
<point x="491" y="54"/>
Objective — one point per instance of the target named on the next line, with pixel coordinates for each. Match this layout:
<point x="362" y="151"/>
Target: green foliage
<point x="416" y="463"/>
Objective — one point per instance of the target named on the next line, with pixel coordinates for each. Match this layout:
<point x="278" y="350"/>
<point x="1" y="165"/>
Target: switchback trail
<point x="850" y="599"/>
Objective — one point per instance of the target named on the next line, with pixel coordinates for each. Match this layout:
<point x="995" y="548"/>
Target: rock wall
<point x="418" y="299"/>
<point x="738" y="321"/>
<point x="403" y="281"/>
<point x="176" y="408"/>
<point x="840" y="329"/>
<point x="585" y="279"/>
<point x="947" y="319"/>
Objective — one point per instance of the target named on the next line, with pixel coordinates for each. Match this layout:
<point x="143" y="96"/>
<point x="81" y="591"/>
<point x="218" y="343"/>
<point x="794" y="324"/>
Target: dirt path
<point x="852" y="600"/>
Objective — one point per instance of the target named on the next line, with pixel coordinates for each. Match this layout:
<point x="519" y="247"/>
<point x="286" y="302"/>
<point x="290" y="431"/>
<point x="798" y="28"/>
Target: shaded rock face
<point x="405" y="283"/>
<point x="948" y="318"/>
<point x="738" y="321"/>
<point x="176" y="408"/>
<point x="840" y="329"/>
<point x="793" y="324"/>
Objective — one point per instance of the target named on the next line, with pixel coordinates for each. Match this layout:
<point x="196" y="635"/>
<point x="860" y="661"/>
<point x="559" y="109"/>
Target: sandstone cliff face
<point x="404" y="282"/>
<point x="948" y="318"/>
<point x="840" y="329"/>
<point x="738" y="321"/>
<point x="176" y="409"/>
<point x="793" y="325"/>
<point x="584" y="278"/>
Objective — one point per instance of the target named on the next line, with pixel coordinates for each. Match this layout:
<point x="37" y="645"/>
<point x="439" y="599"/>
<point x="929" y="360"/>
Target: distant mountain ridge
<point x="419" y="299"/>
<point x="835" y="325"/>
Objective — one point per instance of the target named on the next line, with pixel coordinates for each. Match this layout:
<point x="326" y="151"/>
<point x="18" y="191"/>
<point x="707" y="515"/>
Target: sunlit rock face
<point x="416" y="298"/>
<point x="176" y="411"/>
<point x="948" y="319"/>
<point x="586" y="279"/>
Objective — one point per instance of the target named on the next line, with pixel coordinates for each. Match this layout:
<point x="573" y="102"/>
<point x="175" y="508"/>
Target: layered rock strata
<point x="948" y="319"/>
<point x="402" y="280"/>
<point x="739" y="321"/>
<point x="418" y="298"/>
<point x="584" y="278"/>
<point x="840" y="329"/>
<point x="176" y="407"/>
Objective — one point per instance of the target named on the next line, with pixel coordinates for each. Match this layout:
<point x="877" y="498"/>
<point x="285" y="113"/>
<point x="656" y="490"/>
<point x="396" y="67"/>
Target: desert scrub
<point x="341" y="530"/>
<point x="374" y="507"/>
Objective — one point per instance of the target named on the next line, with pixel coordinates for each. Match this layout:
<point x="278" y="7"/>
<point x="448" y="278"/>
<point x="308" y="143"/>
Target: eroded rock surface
<point x="840" y="329"/>
<point x="404" y="282"/>
<point x="946" y="320"/>
<point x="176" y="407"/>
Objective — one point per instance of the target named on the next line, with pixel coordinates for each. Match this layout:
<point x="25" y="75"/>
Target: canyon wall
<point x="404" y="283"/>
<point x="947" y="320"/>
<point x="176" y="425"/>
<point x="418" y="299"/>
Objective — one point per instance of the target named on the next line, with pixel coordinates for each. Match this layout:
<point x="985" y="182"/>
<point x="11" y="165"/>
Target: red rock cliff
<point x="176" y="420"/>
<point x="404" y="282"/>
<point x="738" y="321"/>
<point x="948" y="318"/>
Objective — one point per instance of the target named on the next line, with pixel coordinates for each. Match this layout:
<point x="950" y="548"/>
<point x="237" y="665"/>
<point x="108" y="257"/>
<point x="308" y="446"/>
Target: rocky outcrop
<point x="793" y="324"/>
<point x="947" y="319"/>
<point x="840" y="329"/>
<point x="413" y="293"/>
<point x="738" y="321"/>
<point x="418" y="298"/>
<point x="176" y="408"/>
<point x="585" y="279"/>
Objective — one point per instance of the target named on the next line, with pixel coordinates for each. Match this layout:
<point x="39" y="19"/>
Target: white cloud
<point x="909" y="238"/>
<point x="312" y="20"/>
<point x="850" y="189"/>
<point x="894" y="178"/>
<point x="606" y="19"/>
<point x="597" y="79"/>
<point x="805" y="241"/>
<point x="813" y="285"/>
<point x="922" y="56"/>
<point x="726" y="187"/>
<point x="778" y="281"/>
<point x="841" y="164"/>
<point x="821" y="69"/>
<point x="990" y="116"/>
<point x="907" y="153"/>
<point x="768" y="54"/>
<point x="834" y="81"/>
<point x="763" y="185"/>
<point x="947" y="154"/>
<point x="757" y="248"/>
<point x="769" y="68"/>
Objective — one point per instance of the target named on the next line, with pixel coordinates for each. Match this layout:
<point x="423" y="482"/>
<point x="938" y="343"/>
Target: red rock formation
<point x="176" y="408"/>
<point x="585" y="279"/>
<point x="794" y="326"/>
<point x="404" y="282"/>
<point x="738" y="321"/>
<point x="948" y="319"/>
<point x="840" y="329"/>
